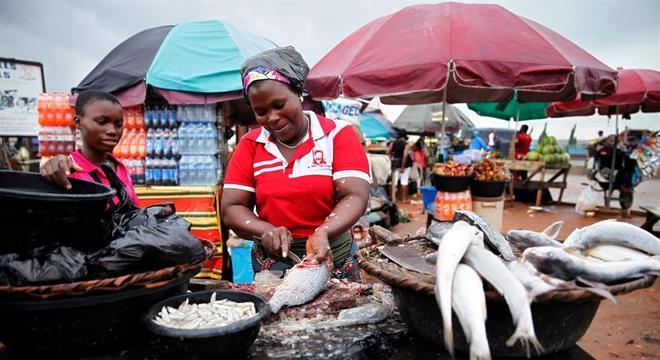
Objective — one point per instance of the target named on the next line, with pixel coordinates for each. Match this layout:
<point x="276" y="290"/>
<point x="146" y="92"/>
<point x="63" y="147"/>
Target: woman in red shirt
<point x="100" y="120"/>
<point x="307" y="175"/>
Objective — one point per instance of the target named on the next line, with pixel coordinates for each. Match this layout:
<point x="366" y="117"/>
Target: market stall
<point x="179" y="104"/>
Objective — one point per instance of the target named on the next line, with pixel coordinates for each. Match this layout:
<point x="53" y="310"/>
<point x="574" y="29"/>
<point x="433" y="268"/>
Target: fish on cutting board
<point x="300" y="285"/>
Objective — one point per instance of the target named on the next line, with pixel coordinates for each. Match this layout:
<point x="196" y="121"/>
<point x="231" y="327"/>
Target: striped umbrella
<point x="192" y="62"/>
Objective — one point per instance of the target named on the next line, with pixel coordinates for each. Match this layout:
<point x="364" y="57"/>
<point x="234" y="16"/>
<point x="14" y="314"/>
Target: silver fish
<point x="553" y="230"/>
<point x="492" y="237"/>
<point x="491" y="268"/>
<point x="450" y="252"/>
<point x="469" y="303"/>
<point x="526" y="274"/>
<point x="300" y="285"/>
<point x="615" y="253"/>
<point x="437" y="230"/>
<point x="564" y="265"/>
<point x="523" y="239"/>
<point x="614" y="232"/>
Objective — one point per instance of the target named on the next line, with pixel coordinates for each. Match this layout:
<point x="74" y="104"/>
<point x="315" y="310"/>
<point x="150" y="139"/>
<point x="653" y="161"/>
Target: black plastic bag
<point x="145" y="248"/>
<point x="64" y="264"/>
<point x="121" y="222"/>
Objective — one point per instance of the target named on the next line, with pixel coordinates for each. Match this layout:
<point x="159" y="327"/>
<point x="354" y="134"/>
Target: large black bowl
<point x="451" y="183"/>
<point x="487" y="188"/>
<point x="82" y="325"/>
<point x="235" y="338"/>
<point x="558" y="325"/>
<point x="36" y="213"/>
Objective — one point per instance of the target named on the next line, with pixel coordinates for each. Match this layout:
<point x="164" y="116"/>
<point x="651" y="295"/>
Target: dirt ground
<point x="629" y="329"/>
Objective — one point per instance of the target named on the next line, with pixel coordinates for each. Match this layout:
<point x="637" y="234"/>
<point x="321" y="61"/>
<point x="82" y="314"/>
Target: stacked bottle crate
<point x="56" y="133"/>
<point x="198" y="145"/>
<point x="133" y="143"/>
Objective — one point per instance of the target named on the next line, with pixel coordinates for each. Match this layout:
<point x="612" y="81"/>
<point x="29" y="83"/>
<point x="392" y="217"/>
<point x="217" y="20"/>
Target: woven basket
<point x="147" y="279"/>
<point x="375" y="264"/>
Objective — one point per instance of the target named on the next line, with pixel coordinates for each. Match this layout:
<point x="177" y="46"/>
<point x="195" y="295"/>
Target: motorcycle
<point x="625" y="173"/>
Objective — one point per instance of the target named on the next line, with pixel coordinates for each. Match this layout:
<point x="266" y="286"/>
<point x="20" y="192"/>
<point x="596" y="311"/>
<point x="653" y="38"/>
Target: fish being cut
<point x="491" y="268"/>
<point x="614" y="232"/>
<point x="564" y="265"/>
<point x="300" y="285"/>
<point x="469" y="303"/>
<point x="492" y="237"/>
<point x="450" y="252"/>
<point x="523" y="239"/>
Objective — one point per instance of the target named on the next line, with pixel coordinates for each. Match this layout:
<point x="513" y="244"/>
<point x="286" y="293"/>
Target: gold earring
<point x="300" y="98"/>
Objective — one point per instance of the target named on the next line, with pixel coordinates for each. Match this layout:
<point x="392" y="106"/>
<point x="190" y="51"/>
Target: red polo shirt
<point x="89" y="168"/>
<point x="301" y="194"/>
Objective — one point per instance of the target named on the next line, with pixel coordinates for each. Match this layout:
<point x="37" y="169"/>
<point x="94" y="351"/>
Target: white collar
<point x="317" y="130"/>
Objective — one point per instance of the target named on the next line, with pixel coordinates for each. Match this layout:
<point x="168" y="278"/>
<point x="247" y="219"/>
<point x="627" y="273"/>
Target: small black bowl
<point x="487" y="188"/>
<point x="451" y="183"/>
<point x="234" y="338"/>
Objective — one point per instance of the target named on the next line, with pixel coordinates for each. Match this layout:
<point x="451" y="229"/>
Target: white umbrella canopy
<point x="428" y="119"/>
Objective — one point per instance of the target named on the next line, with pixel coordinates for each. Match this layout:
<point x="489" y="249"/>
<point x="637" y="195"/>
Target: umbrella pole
<point x="442" y="126"/>
<point x="610" y="190"/>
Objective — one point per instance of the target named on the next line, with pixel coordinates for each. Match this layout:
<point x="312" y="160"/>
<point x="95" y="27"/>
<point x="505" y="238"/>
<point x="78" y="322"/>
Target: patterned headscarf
<point x="262" y="73"/>
<point x="283" y="64"/>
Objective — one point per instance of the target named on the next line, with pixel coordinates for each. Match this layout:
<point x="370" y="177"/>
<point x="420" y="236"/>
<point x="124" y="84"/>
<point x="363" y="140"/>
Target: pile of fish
<point x="470" y="250"/>
<point x="213" y="314"/>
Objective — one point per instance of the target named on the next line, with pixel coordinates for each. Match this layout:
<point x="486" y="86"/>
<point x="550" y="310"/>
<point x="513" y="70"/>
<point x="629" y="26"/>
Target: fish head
<point x="544" y="258"/>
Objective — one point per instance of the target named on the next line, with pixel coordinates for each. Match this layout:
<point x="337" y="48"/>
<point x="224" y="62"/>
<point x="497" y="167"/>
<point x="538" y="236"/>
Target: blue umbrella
<point x="375" y="125"/>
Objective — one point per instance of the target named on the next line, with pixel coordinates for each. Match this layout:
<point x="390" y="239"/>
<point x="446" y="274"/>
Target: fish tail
<point x="526" y="339"/>
<point x="476" y="356"/>
<point x="448" y="334"/>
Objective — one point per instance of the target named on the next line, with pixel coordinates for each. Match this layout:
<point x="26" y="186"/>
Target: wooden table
<point x="541" y="171"/>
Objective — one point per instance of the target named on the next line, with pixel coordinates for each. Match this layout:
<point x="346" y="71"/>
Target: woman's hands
<point x="57" y="169"/>
<point x="277" y="241"/>
<point x="318" y="248"/>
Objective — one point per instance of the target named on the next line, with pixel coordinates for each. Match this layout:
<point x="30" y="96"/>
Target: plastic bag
<point x="587" y="201"/>
<point x="150" y="216"/>
<point x="146" y="248"/>
<point x="64" y="264"/>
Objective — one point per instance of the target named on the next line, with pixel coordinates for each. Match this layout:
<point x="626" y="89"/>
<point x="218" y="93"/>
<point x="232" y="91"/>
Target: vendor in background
<point x="100" y="120"/>
<point x="419" y="157"/>
<point x="307" y="175"/>
<point x="523" y="140"/>
<point x="401" y="164"/>
<point x="477" y="143"/>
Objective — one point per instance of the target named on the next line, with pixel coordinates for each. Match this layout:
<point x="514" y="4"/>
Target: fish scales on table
<point x="450" y="252"/>
<point x="492" y="237"/>
<point x="614" y="232"/>
<point x="300" y="285"/>
<point x="562" y="264"/>
<point x="469" y="303"/>
<point x="491" y="268"/>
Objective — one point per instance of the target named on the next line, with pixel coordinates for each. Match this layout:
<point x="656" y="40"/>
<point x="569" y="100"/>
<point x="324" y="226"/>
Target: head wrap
<point x="263" y="73"/>
<point x="271" y="64"/>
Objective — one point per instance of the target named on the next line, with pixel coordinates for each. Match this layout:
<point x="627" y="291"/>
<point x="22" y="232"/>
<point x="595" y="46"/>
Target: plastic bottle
<point x="158" y="143"/>
<point x="175" y="143"/>
<point x="157" y="171"/>
<point x="171" y="118"/>
<point x="142" y="144"/>
<point x="129" y="117"/>
<point x="148" y="172"/>
<point x="70" y="140"/>
<point x="167" y="146"/>
<point x="151" y="135"/>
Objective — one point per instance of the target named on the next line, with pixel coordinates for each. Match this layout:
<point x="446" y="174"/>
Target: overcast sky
<point x="70" y="37"/>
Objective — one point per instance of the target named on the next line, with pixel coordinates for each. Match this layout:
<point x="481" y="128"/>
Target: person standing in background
<point x="400" y="165"/>
<point x="523" y="140"/>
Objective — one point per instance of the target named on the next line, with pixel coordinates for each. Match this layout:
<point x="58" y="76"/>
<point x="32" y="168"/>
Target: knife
<point x="295" y="258"/>
<point x="407" y="257"/>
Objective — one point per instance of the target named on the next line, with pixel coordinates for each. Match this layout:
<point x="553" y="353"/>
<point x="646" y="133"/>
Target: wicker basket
<point x="130" y="281"/>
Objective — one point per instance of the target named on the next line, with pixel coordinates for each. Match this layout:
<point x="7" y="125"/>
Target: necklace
<point x="304" y="138"/>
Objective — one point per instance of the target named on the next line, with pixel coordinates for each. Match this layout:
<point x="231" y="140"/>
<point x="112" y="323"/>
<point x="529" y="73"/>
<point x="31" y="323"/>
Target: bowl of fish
<point x="207" y="323"/>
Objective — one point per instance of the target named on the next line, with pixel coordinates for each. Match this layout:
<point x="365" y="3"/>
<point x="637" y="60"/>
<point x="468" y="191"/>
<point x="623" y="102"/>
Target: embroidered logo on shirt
<point x="318" y="159"/>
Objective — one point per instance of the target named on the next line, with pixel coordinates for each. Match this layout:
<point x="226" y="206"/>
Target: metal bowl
<point x="235" y="338"/>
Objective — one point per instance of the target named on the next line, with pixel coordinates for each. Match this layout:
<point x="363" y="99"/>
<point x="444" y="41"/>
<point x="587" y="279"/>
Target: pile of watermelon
<point x="549" y="151"/>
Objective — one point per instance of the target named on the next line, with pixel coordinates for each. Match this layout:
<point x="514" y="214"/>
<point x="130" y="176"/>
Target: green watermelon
<point x="533" y="156"/>
<point x="549" y="149"/>
<point x="547" y="158"/>
<point x="553" y="140"/>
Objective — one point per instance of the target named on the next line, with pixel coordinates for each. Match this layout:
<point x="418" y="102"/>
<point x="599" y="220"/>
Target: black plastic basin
<point x="451" y="183"/>
<point x="36" y="213"/>
<point x="234" y="338"/>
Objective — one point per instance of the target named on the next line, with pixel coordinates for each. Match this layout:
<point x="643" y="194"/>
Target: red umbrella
<point x="638" y="89"/>
<point x="477" y="52"/>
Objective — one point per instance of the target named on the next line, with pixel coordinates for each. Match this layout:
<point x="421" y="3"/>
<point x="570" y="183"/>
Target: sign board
<point x="343" y="109"/>
<point x="20" y="84"/>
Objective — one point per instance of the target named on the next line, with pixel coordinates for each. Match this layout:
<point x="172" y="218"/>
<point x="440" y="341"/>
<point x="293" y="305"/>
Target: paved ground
<point x="626" y="330"/>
